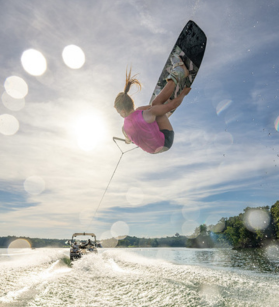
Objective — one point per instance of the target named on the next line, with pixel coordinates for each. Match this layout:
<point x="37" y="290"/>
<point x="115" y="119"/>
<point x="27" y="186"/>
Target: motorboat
<point x="81" y="246"/>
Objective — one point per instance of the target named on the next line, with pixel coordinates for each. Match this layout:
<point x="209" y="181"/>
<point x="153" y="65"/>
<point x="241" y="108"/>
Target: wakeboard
<point x="190" y="47"/>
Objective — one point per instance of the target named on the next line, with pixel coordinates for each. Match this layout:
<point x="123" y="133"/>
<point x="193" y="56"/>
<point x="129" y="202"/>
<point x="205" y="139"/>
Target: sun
<point x="89" y="131"/>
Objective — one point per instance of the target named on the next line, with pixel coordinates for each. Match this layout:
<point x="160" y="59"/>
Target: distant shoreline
<point x="257" y="227"/>
<point x="128" y="242"/>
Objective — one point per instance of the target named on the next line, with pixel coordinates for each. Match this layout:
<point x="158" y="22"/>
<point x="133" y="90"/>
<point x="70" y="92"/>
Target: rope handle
<point x="119" y="139"/>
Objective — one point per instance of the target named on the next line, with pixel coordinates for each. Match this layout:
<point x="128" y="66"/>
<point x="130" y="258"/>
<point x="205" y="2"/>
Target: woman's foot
<point x="179" y="71"/>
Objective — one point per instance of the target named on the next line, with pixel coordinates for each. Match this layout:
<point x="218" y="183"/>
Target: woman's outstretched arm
<point x="127" y="140"/>
<point x="144" y="107"/>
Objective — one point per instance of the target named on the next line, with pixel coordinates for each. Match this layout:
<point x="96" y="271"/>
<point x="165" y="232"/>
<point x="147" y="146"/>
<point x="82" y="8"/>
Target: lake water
<point x="140" y="277"/>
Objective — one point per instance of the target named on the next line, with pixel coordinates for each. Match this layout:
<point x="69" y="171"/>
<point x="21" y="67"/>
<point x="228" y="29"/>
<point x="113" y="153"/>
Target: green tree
<point x="203" y="229"/>
<point x="155" y="243"/>
<point x="275" y="218"/>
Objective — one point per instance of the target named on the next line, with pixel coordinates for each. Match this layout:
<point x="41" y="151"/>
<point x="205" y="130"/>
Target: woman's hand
<point x="150" y="115"/>
<point x="183" y="93"/>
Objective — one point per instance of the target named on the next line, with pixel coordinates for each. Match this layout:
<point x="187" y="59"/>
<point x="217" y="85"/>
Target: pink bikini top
<point x="147" y="136"/>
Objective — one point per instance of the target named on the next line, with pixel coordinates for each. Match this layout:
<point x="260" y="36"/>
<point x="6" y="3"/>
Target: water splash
<point x="117" y="277"/>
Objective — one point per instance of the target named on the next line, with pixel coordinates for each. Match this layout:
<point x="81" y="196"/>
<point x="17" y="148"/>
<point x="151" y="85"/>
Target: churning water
<point x="138" y="277"/>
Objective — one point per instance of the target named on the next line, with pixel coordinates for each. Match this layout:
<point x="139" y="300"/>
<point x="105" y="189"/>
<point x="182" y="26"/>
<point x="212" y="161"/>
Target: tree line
<point x="255" y="227"/>
<point x="33" y="242"/>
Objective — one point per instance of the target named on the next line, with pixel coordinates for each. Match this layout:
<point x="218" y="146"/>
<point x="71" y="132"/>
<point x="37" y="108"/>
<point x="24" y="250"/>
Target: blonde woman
<point x="149" y="127"/>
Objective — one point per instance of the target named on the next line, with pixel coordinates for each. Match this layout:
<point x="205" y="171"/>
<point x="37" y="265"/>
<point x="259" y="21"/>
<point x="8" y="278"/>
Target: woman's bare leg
<point x="164" y="123"/>
<point x="165" y="93"/>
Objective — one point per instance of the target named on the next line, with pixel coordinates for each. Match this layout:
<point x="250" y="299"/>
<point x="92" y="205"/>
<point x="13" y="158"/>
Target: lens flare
<point x="9" y="125"/>
<point x="107" y="240"/>
<point x="220" y="98"/>
<point x="176" y="218"/>
<point x="232" y="116"/>
<point x="219" y="227"/>
<point x="34" y="185"/>
<point x="256" y="219"/>
<point x="12" y="103"/>
<point x="188" y="228"/>
<point x="223" y="141"/>
<point x="33" y="62"/>
<point x="212" y="219"/>
<point x="134" y="196"/>
<point x="223" y="105"/>
<point x="16" y="87"/>
<point x="198" y="138"/>
<point x="276" y="124"/>
<point x="73" y="56"/>
<point x="191" y="213"/>
<point x="20" y="243"/>
<point x="272" y="252"/>
<point x="120" y="229"/>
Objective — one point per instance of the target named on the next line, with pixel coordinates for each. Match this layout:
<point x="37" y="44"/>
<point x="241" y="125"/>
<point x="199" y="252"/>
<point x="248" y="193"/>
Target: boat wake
<point x="118" y="277"/>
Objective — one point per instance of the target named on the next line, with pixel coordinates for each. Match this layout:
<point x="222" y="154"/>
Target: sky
<point x="57" y="155"/>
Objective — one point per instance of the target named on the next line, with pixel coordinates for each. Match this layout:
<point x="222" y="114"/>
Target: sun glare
<point x="89" y="131"/>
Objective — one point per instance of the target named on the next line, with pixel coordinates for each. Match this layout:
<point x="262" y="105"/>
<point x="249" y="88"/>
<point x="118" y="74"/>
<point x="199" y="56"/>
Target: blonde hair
<point x="123" y="101"/>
